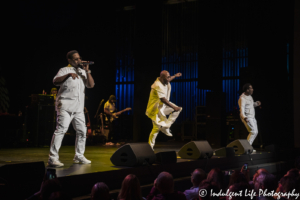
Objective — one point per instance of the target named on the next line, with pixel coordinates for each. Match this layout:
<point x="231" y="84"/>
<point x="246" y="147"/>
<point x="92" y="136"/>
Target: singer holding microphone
<point x="69" y="105"/>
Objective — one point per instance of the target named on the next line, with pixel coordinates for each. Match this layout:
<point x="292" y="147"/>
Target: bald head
<point x="164" y="73"/>
<point x="165" y="183"/>
<point x="198" y="176"/>
<point x="164" y="77"/>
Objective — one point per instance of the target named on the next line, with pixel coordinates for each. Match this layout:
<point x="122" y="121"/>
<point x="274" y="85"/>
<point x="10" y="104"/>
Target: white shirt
<point x="111" y="107"/>
<point x="164" y="92"/>
<point x="247" y="105"/>
<point x="70" y="96"/>
<point x="192" y="193"/>
<point x="155" y="107"/>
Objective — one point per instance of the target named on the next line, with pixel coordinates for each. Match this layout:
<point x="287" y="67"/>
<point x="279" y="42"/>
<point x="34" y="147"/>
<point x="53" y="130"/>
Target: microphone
<point x="87" y="63"/>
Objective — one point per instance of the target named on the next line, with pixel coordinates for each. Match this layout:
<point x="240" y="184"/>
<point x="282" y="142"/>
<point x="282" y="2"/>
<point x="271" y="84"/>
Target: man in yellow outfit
<point x="159" y="106"/>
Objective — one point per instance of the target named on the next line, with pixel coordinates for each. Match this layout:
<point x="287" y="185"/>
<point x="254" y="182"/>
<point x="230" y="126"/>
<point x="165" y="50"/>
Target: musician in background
<point x="110" y="115"/>
<point x="53" y="93"/>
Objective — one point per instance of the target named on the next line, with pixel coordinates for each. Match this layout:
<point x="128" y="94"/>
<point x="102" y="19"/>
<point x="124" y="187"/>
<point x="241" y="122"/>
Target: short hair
<point x="198" y="176"/>
<point x="112" y="97"/>
<point x="70" y="54"/>
<point x="246" y="87"/>
<point x="100" y="191"/>
<point x="165" y="182"/>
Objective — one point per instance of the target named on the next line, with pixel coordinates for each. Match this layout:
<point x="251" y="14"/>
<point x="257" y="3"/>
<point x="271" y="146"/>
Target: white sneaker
<point x="166" y="131"/>
<point x="81" y="160"/>
<point x="55" y="163"/>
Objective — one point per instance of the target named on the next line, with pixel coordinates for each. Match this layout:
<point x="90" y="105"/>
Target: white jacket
<point x="247" y="105"/>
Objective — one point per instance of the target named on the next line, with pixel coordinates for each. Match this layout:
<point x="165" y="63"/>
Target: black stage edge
<point x="276" y="163"/>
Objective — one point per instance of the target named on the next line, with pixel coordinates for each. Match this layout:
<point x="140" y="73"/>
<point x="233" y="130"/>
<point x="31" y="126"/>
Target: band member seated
<point x="110" y="116"/>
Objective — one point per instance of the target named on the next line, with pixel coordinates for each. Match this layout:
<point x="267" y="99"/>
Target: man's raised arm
<point x="175" y="76"/>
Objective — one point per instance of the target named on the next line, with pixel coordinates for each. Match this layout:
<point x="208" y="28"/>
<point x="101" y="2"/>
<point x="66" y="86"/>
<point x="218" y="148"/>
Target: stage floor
<point x="99" y="155"/>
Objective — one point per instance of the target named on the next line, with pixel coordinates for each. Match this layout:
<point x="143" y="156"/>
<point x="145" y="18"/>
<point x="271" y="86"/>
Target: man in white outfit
<point x="247" y="112"/>
<point x="70" y="107"/>
<point x="159" y="106"/>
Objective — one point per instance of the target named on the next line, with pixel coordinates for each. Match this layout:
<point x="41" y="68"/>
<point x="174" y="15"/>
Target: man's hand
<point x="85" y="66"/>
<point x="246" y="173"/>
<point x="176" y="109"/>
<point x="246" y="119"/>
<point x="90" y="81"/>
<point x="178" y="75"/>
<point x="114" y="115"/>
<point x="258" y="103"/>
<point x="73" y="75"/>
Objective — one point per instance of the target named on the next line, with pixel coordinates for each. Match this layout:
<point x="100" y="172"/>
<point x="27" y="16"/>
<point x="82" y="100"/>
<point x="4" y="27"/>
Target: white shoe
<point x="166" y="131"/>
<point x="55" y="163"/>
<point x="81" y="160"/>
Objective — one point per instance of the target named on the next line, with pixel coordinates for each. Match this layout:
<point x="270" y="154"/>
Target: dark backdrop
<point x="37" y="36"/>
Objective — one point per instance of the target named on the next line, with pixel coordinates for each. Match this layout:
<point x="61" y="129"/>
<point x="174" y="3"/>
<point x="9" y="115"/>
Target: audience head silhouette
<point x="100" y="191"/>
<point x="130" y="189"/>
<point x="164" y="183"/>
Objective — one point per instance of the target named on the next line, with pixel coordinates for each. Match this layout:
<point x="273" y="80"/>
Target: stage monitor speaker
<point x="20" y="180"/>
<point x="226" y="151"/>
<point x="241" y="146"/>
<point x="133" y="154"/>
<point x="196" y="150"/>
<point x="167" y="157"/>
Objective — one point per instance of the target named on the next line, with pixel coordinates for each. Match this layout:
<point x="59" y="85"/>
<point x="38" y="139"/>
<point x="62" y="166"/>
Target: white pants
<point x="251" y="126"/>
<point x="155" y="130"/>
<point x="64" y="119"/>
